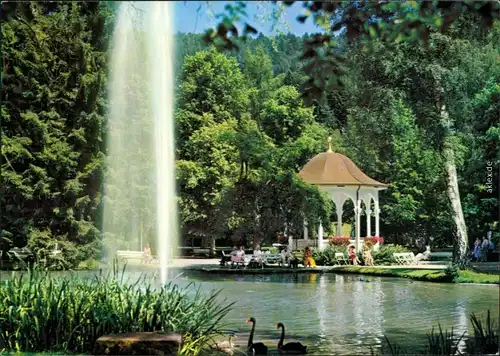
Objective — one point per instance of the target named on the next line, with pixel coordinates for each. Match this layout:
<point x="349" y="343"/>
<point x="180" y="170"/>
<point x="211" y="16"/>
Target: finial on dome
<point x="329" y="145"/>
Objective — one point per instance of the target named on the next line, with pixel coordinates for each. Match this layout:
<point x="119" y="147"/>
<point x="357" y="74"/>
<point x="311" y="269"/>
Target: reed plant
<point x="41" y="312"/>
<point x="443" y="342"/>
<point x="484" y="340"/>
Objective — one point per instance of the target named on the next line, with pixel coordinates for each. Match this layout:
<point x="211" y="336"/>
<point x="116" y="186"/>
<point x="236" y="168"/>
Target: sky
<point x="197" y="16"/>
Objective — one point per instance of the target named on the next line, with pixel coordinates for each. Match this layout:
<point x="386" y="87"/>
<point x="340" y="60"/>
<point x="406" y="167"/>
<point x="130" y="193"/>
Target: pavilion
<point x="342" y="179"/>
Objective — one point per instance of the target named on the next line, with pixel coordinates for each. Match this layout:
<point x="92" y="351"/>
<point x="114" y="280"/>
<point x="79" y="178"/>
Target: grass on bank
<point x="42" y="313"/>
<point x="449" y="275"/>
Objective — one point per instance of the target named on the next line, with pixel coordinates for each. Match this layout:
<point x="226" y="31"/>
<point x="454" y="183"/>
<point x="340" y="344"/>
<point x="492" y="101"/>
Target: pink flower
<point x="339" y="240"/>
<point x="375" y="239"/>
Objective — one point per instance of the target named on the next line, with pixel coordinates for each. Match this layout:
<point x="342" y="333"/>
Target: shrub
<point x="384" y="255"/>
<point x="327" y="256"/>
<point x="89" y="264"/>
<point x="273" y="250"/>
<point x="339" y="240"/>
<point x="452" y="272"/>
<point x="39" y="312"/>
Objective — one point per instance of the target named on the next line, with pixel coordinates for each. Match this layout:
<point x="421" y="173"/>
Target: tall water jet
<point x="140" y="202"/>
<point x="161" y="49"/>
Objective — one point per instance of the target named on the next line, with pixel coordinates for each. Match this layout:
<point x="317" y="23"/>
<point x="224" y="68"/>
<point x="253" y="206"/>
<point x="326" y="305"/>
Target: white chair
<point x="340" y="259"/>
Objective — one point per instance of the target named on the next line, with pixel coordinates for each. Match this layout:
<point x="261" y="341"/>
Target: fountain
<point x="140" y="183"/>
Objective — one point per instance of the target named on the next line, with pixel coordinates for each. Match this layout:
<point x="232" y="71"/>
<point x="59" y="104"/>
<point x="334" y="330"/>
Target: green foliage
<point x="243" y="132"/>
<point x="452" y="272"/>
<point x="410" y="22"/>
<point x="69" y="314"/>
<point x="442" y="343"/>
<point x="326" y="257"/>
<point x="485" y="340"/>
<point x="54" y="76"/>
<point x="385" y="254"/>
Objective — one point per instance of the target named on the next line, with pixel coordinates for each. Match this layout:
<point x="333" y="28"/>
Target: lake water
<point x="339" y="314"/>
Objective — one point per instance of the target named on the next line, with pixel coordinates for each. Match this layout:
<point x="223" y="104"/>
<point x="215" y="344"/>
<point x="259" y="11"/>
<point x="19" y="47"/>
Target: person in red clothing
<point x="353" y="257"/>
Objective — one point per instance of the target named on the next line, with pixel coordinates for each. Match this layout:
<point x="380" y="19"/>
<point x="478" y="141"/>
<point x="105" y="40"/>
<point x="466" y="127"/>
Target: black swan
<point x="291" y="347"/>
<point x="258" y="348"/>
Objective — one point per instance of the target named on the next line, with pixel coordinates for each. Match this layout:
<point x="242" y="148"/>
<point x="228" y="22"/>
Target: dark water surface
<point x="339" y="314"/>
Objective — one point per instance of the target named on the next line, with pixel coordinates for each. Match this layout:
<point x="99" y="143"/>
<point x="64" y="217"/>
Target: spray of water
<point x="161" y="49"/>
<point x="140" y="200"/>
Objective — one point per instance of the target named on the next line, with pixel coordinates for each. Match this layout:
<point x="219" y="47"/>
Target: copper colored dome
<point x="331" y="168"/>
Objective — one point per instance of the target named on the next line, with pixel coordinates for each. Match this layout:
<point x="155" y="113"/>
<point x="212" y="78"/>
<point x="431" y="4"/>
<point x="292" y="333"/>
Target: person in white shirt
<point x="257" y="255"/>
<point x="241" y="252"/>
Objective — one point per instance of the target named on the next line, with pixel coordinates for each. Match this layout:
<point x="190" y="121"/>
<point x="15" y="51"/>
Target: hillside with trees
<point x="423" y="119"/>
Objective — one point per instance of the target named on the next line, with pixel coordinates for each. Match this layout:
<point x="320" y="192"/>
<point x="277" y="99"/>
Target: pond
<point x="341" y="314"/>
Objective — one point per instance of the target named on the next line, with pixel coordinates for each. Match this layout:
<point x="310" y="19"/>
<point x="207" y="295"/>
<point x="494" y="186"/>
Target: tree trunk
<point x="457" y="213"/>
<point x="212" y="246"/>
<point x="461" y="239"/>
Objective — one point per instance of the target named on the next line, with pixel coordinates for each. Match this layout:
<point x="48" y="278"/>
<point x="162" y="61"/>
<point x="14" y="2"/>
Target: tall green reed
<point x="484" y="340"/>
<point x="40" y="312"/>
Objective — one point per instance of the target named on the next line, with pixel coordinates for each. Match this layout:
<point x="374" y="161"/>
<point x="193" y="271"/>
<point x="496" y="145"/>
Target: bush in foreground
<point x="39" y="312"/>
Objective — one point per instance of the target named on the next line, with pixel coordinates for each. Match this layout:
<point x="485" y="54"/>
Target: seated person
<point x="308" y="259"/>
<point x="239" y="255"/>
<point x="353" y="257"/>
<point x="257" y="256"/>
<point x="148" y="258"/>
<point x="286" y="256"/>
<point x="367" y="255"/>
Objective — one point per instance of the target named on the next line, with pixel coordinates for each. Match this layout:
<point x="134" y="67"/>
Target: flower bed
<point x="374" y="239"/>
<point x="339" y="240"/>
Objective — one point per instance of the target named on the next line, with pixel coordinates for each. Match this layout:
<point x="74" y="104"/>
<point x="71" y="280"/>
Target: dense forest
<point x="403" y="114"/>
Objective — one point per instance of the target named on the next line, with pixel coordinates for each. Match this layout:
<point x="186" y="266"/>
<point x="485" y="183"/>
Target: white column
<point x="290" y="243"/>
<point x="357" y="211"/>
<point x="377" y="222"/>
<point x="306" y="231"/>
<point x="320" y="236"/>
<point x="368" y="222"/>
<point x="338" y="200"/>
<point x="339" y="223"/>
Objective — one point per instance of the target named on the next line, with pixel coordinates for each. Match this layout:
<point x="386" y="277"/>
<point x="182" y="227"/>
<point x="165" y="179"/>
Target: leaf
<point x="250" y="29"/>
<point x="302" y="18"/>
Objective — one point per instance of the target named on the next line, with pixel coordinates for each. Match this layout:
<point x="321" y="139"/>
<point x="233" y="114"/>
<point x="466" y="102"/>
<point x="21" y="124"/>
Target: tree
<point x="53" y="115"/>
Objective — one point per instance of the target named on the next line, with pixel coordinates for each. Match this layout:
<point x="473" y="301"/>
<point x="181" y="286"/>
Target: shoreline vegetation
<point x="44" y="313"/>
<point x="448" y="275"/>
<point x="68" y="315"/>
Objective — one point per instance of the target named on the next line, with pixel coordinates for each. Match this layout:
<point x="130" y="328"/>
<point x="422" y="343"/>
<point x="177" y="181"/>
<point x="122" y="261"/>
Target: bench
<point x="445" y="255"/>
<point x="405" y="258"/>
<point x="124" y="256"/>
<point x="272" y="258"/>
<point x="224" y="258"/>
<point x="238" y="261"/>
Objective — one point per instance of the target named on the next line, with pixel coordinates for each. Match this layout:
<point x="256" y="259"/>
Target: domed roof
<point x="331" y="168"/>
